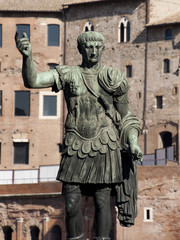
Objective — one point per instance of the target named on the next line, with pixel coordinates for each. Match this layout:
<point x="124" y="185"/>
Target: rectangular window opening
<point x="23" y="28"/>
<point x="0" y="102"/>
<point x="0" y="35"/>
<point x="22" y="103"/>
<point x="159" y="102"/>
<point x="175" y="90"/>
<point x="129" y="71"/>
<point x="49" y="105"/>
<point x="148" y="214"/>
<point x="168" y="34"/>
<point x="21" y="152"/>
<point x="0" y="152"/>
<point x="53" y="35"/>
<point x="166" y="66"/>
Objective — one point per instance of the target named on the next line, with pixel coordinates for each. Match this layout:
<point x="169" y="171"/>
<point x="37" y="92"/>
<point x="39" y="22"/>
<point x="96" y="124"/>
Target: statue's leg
<point x="102" y="213"/>
<point x="74" y="220"/>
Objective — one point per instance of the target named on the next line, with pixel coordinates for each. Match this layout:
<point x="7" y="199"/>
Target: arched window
<point x="56" y="233"/>
<point x="166" y="139"/>
<point x="166" y="65"/>
<point x="7" y="233"/>
<point x="88" y="26"/>
<point x="124" y="30"/>
<point x="34" y="233"/>
<point x="168" y="34"/>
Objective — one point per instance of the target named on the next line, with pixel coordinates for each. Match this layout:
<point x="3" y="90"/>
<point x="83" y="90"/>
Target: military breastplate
<point x="86" y="115"/>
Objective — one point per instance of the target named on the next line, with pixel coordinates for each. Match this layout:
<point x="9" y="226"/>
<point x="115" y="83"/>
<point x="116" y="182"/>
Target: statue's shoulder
<point x="65" y="72"/>
<point x="112" y="79"/>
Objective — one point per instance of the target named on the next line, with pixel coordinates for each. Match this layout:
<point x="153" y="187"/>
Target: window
<point x="53" y="35"/>
<point x="22" y="103"/>
<point x="166" y="66"/>
<point x="159" y="102"/>
<point x="0" y="35"/>
<point x="21" y="152"/>
<point x="148" y="214"/>
<point x="7" y="233"/>
<point x="34" y="233"/>
<point x="49" y="105"/>
<point x="0" y="152"/>
<point x="21" y="28"/>
<point x="139" y="95"/>
<point x="0" y="103"/>
<point x="129" y="71"/>
<point x="124" y="30"/>
<point x="56" y="233"/>
<point x="168" y="34"/>
<point x="88" y="26"/>
<point x="52" y="65"/>
<point x="175" y="91"/>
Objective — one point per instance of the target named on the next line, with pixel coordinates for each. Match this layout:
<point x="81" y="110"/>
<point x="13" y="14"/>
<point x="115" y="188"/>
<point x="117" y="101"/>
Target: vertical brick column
<point x="19" y="222"/>
<point x="45" y="227"/>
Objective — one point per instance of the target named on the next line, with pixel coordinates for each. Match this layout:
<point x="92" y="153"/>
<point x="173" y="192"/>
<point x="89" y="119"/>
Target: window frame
<point x="0" y="152"/>
<point x="166" y="65"/>
<point x="124" y="30"/>
<point x="168" y="36"/>
<point x="24" y="142"/>
<point x="150" y="218"/>
<point x="1" y="28"/>
<point x="41" y="104"/>
<point x="56" y="43"/>
<point x="129" y="71"/>
<point x="159" y="102"/>
<point x="1" y="103"/>
<point x="89" y="25"/>
<point x="29" y="107"/>
<point x="28" y="32"/>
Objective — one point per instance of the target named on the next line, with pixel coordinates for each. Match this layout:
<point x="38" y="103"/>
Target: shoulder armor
<point x="112" y="79"/>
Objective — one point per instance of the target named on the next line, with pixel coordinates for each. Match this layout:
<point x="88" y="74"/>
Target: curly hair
<point x="90" y="36"/>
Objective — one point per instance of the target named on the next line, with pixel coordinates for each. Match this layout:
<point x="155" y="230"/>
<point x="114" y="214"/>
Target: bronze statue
<point x="100" y="147"/>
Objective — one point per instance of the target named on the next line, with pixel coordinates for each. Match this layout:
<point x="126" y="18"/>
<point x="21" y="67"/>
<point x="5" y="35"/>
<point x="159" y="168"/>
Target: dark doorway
<point x="166" y="139"/>
<point x="56" y="233"/>
<point x="34" y="233"/>
<point x="7" y="233"/>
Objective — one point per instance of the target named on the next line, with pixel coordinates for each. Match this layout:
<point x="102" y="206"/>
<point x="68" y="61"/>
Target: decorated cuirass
<point x="89" y="124"/>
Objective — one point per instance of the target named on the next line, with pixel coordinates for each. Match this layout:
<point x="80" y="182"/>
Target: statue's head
<point x="91" y="46"/>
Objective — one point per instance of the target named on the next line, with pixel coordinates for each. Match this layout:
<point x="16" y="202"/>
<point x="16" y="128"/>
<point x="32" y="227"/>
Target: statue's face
<point x="92" y="51"/>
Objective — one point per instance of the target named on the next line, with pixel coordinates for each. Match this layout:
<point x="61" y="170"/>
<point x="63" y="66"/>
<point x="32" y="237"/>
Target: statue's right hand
<point x="23" y="45"/>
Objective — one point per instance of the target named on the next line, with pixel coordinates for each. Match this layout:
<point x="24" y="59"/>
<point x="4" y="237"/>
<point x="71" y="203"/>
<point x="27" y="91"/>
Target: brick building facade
<point x="142" y="44"/>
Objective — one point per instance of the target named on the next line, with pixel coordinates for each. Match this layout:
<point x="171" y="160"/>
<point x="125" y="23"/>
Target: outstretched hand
<point x="135" y="152"/>
<point x="23" y="45"/>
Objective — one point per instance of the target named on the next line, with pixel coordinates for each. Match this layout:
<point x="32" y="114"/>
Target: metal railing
<point x="159" y="158"/>
<point x="43" y="174"/>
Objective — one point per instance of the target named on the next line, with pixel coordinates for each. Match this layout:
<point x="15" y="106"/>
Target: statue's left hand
<point x="135" y="152"/>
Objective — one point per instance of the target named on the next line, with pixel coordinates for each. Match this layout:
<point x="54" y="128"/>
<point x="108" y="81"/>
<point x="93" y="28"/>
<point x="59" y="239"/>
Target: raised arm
<point x="31" y="78"/>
